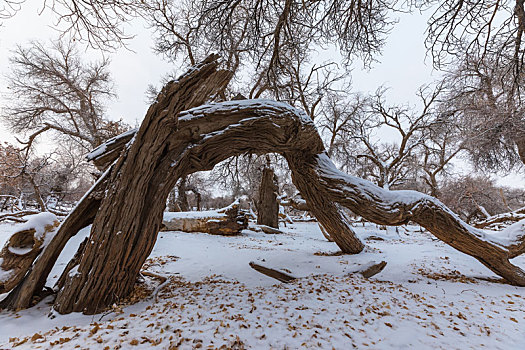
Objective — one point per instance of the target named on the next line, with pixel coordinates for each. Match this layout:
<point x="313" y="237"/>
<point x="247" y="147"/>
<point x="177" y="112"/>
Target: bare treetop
<point x="478" y="28"/>
<point x="52" y="89"/>
<point x="98" y="23"/>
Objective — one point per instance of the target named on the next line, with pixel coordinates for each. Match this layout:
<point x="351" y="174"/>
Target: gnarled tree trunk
<point x="175" y="141"/>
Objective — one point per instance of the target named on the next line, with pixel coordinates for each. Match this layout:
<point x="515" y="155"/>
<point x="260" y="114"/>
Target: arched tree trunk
<point x="267" y="205"/>
<point x="174" y="142"/>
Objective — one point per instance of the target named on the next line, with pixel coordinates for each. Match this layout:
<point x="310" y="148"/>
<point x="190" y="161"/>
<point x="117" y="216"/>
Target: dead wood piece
<point x="296" y="203"/>
<point x="268" y="229"/>
<point x="20" y="251"/>
<point x="105" y="154"/>
<point x="514" y="216"/>
<point x="226" y="221"/>
<point x="278" y="275"/>
<point x="372" y="269"/>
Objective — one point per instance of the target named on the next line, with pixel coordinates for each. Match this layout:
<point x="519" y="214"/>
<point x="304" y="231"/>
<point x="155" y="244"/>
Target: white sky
<point x="401" y="67"/>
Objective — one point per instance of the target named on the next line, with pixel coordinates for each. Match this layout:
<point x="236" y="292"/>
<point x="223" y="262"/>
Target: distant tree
<point x="442" y="144"/>
<point x="478" y="197"/>
<point x="490" y="113"/>
<point x="53" y="90"/>
<point x="357" y="130"/>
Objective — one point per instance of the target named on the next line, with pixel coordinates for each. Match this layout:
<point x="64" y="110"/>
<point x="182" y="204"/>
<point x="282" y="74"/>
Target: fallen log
<point x="226" y="221"/>
<point x="504" y="218"/>
<point x="267" y="229"/>
<point x="371" y="269"/>
<point x="278" y="275"/>
<point x="23" y="247"/>
<point x="367" y="271"/>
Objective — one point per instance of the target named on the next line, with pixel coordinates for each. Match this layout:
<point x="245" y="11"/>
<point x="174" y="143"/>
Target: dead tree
<point x="225" y="221"/>
<point x="267" y="205"/>
<point x="180" y="136"/>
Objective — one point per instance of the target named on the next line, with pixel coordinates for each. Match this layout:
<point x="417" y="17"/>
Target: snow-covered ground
<point x="429" y="296"/>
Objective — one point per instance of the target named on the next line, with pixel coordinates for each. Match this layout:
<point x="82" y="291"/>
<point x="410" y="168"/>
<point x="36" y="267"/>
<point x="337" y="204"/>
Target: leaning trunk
<point x="126" y="226"/>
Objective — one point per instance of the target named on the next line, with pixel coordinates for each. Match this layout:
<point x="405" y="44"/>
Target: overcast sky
<point x="402" y="66"/>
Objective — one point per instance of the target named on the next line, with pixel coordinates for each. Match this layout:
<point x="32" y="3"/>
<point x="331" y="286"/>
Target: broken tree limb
<point x="23" y="247"/>
<point x="105" y="154"/>
<point x="367" y="271"/>
<point x="81" y="216"/>
<point x="226" y="221"/>
<point x="371" y="269"/>
<point x="278" y="275"/>
<point x="506" y="218"/>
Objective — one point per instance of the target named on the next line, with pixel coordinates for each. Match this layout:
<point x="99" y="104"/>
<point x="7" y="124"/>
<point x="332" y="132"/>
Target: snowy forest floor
<point x="429" y="296"/>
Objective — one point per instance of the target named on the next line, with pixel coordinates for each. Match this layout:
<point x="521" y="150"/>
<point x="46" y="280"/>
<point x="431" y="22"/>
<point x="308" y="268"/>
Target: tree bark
<point x="125" y="228"/>
<point x="267" y="205"/>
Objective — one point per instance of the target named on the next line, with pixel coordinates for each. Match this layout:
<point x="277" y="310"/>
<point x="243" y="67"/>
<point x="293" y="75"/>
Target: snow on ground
<point x="429" y="296"/>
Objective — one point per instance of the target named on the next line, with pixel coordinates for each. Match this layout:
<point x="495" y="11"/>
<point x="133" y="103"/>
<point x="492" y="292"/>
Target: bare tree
<point x="97" y="23"/>
<point x="361" y="132"/>
<point x="490" y="111"/>
<point x="442" y="144"/>
<point x="478" y="28"/>
<point x="477" y="197"/>
<point x="53" y="90"/>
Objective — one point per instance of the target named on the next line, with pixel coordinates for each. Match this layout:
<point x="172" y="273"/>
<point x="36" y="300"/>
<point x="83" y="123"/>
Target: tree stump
<point x="267" y="204"/>
<point x="23" y="247"/>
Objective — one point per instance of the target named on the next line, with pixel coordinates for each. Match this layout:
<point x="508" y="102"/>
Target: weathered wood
<point x="267" y="229"/>
<point x="513" y="216"/>
<point x="296" y="203"/>
<point x="226" y="221"/>
<point x="176" y="140"/>
<point x="81" y="216"/>
<point x="105" y="154"/>
<point x="267" y="205"/>
<point x="22" y="248"/>
<point x="278" y="275"/>
<point x="123" y="235"/>
<point x="372" y="269"/>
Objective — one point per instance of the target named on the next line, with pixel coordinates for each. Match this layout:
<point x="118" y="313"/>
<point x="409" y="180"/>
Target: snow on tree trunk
<point x="267" y="204"/>
<point x="175" y="141"/>
<point x="23" y="247"/>
<point x="226" y="221"/>
<point x="126" y="226"/>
